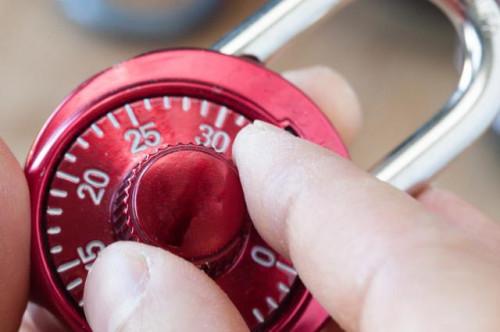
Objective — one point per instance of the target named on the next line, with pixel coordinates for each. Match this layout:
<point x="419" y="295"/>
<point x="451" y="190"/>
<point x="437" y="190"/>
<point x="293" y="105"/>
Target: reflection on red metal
<point x="142" y="151"/>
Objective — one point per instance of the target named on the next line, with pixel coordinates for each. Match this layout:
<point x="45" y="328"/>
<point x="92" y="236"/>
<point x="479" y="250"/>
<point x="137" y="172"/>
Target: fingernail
<point x="115" y="287"/>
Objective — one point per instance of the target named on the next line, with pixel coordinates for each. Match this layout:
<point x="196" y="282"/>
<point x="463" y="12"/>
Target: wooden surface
<point x="398" y="56"/>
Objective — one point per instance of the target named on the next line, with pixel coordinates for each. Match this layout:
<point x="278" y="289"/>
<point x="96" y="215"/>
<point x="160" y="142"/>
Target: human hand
<point x="376" y="258"/>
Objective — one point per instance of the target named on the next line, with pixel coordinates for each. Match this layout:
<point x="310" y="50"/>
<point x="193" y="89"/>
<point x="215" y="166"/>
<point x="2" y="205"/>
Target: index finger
<point x="370" y="254"/>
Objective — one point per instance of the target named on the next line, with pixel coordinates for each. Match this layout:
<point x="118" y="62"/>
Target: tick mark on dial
<point x="147" y="104"/>
<point x="221" y="117"/>
<point x="68" y="265"/>
<point x="73" y="284"/>
<point x="283" y="288"/>
<point x="70" y="157"/>
<point x="54" y="211"/>
<point x="273" y="305"/>
<point x="166" y="103"/>
<point x="240" y="121"/>
<point x="131" y="115"/>
<point x="56" y="249"/>
<point x="82" y="143"/>
<point x="258" y="315"/>
<point x="97" y="130"/>
<point x="286" y="268"/>
<point x="186" y="104"/>
<point x="204" y="108"/>
<point x="58" y="193"/>
<point x="67" y="177"/>
<point x="113" y="120"/>
<point x="54" y="230"/>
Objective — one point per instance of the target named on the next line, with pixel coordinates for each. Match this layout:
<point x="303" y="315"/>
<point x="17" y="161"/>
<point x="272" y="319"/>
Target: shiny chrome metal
<point x="467" y="114"/>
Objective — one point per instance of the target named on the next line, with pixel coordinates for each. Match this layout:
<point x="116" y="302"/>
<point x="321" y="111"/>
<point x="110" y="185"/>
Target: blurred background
<point x="398" y="55"/>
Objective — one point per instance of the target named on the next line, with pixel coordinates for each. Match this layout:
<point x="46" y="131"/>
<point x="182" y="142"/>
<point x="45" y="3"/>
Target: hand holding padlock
<point x="139" y="151"/>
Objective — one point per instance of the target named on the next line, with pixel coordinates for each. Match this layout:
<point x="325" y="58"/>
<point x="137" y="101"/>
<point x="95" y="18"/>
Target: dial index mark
<point x="286" y="268"/>
<point x="56" y="249"/>
<point x="131" y="115"/>
<point x="97" y="130"/>
<point x="258" y="315"/>
<point x="166" y="103"/>
<point x="147" y="104"/>
<point x="58" y="193"/>
<point x="70" y="157"/>
<point x="54" y="211"/>
<point x="68" y="265"/>
<point x="271" y="303"/>
<point x="186" y="104"/>
<point x="113" y="120"/>
<point x="54" y="230"/>
<point x="240" y="121"/>
<point x="73" y="284"/>
<point x="204" y="109"/>
<point x="283" y="288"/>
<point x="221" y="117"/>
<point x="67" y="177"/>
<point x="83" y="143"/>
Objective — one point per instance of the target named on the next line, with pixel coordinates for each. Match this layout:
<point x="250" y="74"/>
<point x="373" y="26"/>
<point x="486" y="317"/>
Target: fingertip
<point x="334" y="96"/>
<point x="115" y="285"/>
<point x="134" y="286"/>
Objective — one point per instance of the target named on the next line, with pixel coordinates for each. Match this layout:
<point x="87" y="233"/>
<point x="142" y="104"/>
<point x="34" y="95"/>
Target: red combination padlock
<point x="142" y="151"/>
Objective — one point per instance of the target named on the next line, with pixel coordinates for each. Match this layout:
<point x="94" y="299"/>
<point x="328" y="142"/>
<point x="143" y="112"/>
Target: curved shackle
<point x="466" y="115"/>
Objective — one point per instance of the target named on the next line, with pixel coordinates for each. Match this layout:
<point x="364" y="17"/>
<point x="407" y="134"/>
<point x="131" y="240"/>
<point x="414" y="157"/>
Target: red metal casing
<point x="243" y="85"/>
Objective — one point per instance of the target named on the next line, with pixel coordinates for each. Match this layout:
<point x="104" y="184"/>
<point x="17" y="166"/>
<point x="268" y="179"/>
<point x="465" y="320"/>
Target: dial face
<point x="78" y="218"/>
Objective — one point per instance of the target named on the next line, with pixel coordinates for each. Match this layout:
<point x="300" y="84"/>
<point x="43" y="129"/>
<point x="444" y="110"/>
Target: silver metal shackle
<point x="466" y="115"/>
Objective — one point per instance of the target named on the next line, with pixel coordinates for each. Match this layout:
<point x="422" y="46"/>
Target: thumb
<point x="135" y="287"/>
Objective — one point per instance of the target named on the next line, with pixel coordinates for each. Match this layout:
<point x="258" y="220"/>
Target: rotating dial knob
<point x="186" y="199"/>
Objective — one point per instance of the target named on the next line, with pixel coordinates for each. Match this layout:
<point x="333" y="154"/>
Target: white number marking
<point x="217" y="139"/>
<point x="143" y="137"/>
<point x="68" y="265"/>
<point x="286" y="268"/>
<point x="240" y="121"/>
<point x="113" y="120"/>
<point x="67" y="177"/>
<point x="263" y="256"/>
<point x="70" y="157"/>
<point x="283" y="288"/>
<point x="89" y="254"/>
<point x="131" y="115"/>
<point x="271" y="303"/>
<point x="258" y="315"/>
<point x="58" y="193"/>
<point x="83" y="143"/>
<point x="166" y="103"/>
<point x="186" y="104"/>
<point x="221" y="117"/>
<point x="54" y="230"/>
<point x="147" y="104"/>
<point x="73" y="284"/>
<point x="54" y="211"/>
<point x="204" y="108"/>
<point x="56" y="250"/>
<point x="95" y="184"/>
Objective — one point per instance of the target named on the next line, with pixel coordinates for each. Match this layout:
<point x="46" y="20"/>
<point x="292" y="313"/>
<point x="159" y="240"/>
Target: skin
<point x="376" y="258"/>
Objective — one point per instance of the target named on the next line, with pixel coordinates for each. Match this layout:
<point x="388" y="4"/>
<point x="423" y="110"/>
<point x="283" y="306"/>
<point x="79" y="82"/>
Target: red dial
<point x="143" y="152"/>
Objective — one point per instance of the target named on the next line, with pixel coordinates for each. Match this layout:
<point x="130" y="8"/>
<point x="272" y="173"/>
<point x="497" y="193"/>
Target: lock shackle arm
<point x="466" y="115"/>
